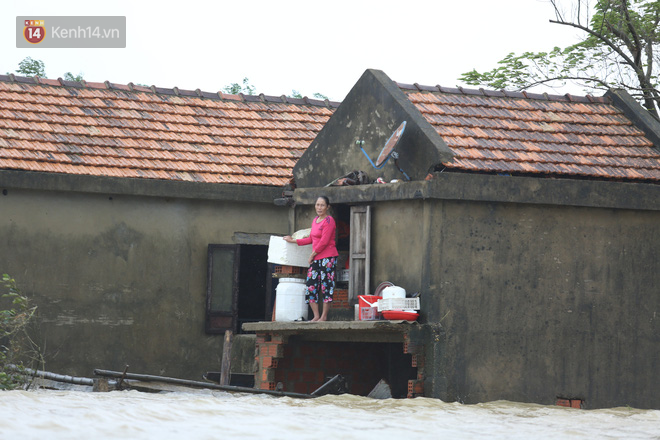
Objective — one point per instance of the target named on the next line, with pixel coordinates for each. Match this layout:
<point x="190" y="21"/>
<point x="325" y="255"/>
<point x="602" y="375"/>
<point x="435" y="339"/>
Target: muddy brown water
<point x="53" y="415"/>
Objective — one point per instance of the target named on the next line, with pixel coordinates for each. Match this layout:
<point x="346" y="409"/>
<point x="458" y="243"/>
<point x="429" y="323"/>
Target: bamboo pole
<point x="53" y="376"/>
<point x="197" y="384"/>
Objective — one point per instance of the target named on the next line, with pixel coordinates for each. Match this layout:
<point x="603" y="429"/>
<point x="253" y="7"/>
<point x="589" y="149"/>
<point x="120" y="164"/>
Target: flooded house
<point x="124" y="209"/>
<point x="139" y="219"/>
<point x="530" y="226"/>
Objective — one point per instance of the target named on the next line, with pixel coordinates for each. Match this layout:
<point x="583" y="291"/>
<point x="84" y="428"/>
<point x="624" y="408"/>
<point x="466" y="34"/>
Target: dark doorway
<point x="253" y="284"/>
<point x="342" y="216"/>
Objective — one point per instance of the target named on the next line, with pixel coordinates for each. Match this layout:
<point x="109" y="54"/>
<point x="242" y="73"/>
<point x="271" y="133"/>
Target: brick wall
<point x="303" y="366"/>
<point x="415" y="386"/>
<point x="340" y="299"/>
<point x="570" y="403"/>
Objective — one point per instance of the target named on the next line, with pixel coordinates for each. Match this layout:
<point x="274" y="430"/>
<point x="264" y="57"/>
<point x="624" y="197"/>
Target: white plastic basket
<point x="368" y="314"/>
<point x="398" y="304"/>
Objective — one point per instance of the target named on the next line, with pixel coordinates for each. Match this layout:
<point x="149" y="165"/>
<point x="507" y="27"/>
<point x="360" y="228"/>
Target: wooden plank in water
<point x="225" y="366"/>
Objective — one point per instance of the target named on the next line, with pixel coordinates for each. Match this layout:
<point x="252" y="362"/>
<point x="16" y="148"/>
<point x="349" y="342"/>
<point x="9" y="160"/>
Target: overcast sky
<point x="281" y="45"/>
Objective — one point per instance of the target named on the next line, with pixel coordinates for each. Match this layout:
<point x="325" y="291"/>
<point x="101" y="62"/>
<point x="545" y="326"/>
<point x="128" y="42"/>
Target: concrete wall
<point x="121" y="279"/>
<point x="545" y="301"/>
<point x="370" y="113"/>
<point x="399" y="241"/>
<point x="534" y="288"/>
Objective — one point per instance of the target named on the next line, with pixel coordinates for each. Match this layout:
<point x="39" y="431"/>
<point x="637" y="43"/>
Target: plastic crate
<point x="398" y="304"/>
<point x="369" y="314"/>
<point x="368" y="310"/>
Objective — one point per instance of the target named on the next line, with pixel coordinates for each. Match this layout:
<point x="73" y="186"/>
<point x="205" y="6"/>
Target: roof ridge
<point x="174" y="91"/>
<point x="558" y="162"/>
<point x="459" y="90"/>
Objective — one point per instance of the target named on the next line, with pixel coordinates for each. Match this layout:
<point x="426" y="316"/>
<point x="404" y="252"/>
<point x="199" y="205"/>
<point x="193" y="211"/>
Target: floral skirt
<point x="321" y="280"/>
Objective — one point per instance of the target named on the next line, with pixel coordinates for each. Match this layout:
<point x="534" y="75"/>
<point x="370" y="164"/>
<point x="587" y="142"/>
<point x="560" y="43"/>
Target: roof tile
<point x="520" y="132"/>
<point x="108" y="129"/>
<point x="156" y="133"/>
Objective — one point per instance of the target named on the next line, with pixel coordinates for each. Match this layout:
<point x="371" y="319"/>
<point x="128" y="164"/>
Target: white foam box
<point x="288" y="254"/>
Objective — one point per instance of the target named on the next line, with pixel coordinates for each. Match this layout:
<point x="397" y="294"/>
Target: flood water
<point x="52" y="415"/>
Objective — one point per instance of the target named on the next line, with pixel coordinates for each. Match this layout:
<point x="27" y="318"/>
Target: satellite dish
<point x="386" y="152"/>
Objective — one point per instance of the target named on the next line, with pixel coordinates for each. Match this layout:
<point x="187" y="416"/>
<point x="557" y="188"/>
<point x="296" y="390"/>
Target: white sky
<point x="281" y="45"/>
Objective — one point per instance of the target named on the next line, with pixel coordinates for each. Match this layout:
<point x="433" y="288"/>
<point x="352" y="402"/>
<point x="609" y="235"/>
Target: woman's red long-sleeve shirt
<point x="322" y="238"/>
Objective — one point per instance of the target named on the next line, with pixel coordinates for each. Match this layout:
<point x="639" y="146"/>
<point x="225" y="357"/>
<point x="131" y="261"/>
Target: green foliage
<point x="71" y="77"/>
<point x="297" y="94"/>
<point x="30" y="67"/>
<point x="619" y="50"/>
<point x="16" y="346"/>
<point x="235" y="88"/>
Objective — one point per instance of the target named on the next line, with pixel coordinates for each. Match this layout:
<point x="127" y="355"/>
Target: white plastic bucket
<point x="290" y="300"/>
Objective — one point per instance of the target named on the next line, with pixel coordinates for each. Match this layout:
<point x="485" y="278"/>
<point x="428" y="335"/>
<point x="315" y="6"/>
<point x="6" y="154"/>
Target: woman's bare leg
<point x="315" y="310"/>
<point x="324" y="315"/>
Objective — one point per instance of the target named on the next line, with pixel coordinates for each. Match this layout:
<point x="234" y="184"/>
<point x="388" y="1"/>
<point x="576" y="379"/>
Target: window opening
<point x="222" y="288"/>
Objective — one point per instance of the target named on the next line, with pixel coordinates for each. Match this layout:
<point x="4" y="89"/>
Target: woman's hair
<point x="325" y="198"/>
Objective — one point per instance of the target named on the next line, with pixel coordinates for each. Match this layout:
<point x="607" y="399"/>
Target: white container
<point x="290" y="300"/>
<point x="288" y="254"/>
<point x="394" y="292"/>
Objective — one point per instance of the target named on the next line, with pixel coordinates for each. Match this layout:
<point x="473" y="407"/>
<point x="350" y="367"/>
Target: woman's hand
<point x="288" y="239"/>
<point x="311" y="257"/>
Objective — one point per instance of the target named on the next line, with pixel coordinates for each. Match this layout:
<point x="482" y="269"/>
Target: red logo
<point x="34" y="31"/>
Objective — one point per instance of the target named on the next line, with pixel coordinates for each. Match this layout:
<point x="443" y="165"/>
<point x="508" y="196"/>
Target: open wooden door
<point x="359" y="252"/>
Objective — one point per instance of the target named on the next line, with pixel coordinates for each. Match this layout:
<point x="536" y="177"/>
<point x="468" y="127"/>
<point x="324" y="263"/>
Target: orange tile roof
<point x="132" y="131"/>
<point x="105" y="129"/>
<point x="521" y="133"/>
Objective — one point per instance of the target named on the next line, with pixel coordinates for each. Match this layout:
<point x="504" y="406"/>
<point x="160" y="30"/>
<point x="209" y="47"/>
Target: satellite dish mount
<point x="388" y="151"/>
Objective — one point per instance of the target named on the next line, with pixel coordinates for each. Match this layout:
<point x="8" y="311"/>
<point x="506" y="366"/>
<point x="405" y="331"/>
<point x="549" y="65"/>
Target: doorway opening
<point x="254" y="285"/>
<point x="342" y="216"/>
<point x="239" y="287"/>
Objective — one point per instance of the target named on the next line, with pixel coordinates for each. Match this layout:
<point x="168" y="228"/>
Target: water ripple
<point x="55" y="415"/>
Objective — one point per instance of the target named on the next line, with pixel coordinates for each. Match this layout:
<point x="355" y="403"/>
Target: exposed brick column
<point x="415" y="386"/>
<point x="269" y="349"/>
<point x="571" y="403"/>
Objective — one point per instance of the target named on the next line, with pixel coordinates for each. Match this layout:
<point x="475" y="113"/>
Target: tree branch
<point x="557" y="11"/>
<point x="649" y="47"/>
<point x="633" y="32"/>
<point x="603" y="38"/>
<point x="565" y="78"/>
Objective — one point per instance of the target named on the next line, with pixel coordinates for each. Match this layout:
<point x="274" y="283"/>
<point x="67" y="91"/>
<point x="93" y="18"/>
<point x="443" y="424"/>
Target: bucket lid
<point x="292" y="280"/>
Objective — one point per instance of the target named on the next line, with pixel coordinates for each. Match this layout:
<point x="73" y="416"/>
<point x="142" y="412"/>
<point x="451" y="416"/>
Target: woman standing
<point x="323" y="261"/>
